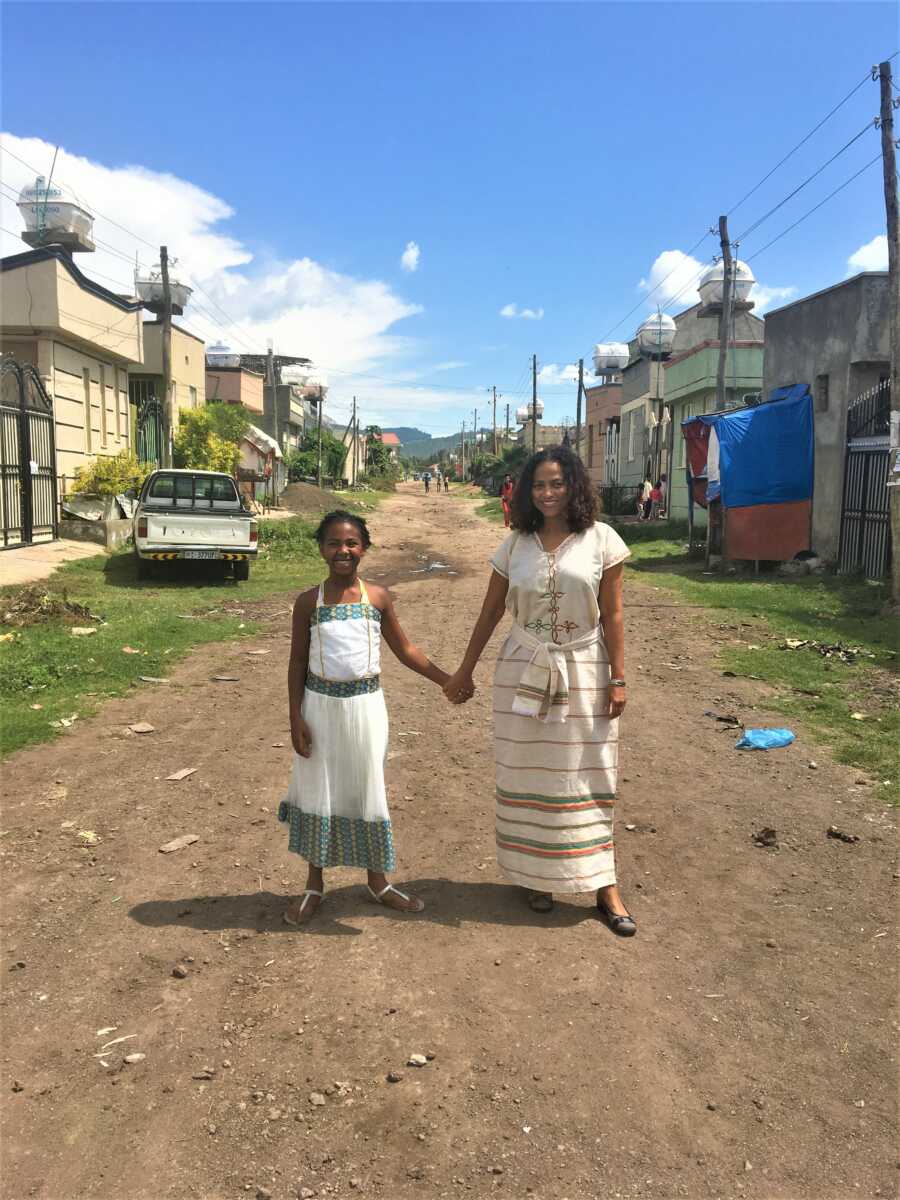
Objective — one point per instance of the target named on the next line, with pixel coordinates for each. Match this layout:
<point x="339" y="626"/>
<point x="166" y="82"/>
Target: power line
<point x="865" y="79"/>
<point x="816" y="208"/>
<point x="781" y="203"/>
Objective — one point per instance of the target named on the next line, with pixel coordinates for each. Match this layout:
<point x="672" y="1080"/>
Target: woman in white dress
<point x="559" y="688"/>
<point x="336" y="806"/>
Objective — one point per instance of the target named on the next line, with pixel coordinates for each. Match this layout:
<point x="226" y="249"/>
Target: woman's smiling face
<point x="549" y="490"/>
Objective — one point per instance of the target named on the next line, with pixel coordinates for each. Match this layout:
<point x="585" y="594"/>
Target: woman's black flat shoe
<point x="540" y="902"/>
<point x="622" y="926"/>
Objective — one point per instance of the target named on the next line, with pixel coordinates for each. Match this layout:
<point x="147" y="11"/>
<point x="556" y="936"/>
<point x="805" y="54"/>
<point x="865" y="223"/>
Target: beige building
<point x="236" y="385"/>
<point x="188" y="369"/>
<point x="83" y="339"/>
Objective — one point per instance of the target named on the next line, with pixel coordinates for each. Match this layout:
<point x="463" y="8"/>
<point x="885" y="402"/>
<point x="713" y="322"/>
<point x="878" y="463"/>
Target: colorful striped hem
<point x="339" y="841"/>
<point x="553" y="826"/>
<point x="554" y="801"/>
<point x="553" y="849"/>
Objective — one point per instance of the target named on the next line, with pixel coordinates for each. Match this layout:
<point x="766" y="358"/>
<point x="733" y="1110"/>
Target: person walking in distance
<point x="336" y="807"/>
<point x="559" y="688"/>
<point x="446" y="483"/>
<point x="426" y="478"/>
<point x="506" y="492"/>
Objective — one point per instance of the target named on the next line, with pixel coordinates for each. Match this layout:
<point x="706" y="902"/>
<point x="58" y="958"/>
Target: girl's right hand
<point x="460" y="687"/>
<point x="302" y="738"/>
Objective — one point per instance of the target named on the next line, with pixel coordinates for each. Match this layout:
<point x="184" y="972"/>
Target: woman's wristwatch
<point x="617" y="683"/>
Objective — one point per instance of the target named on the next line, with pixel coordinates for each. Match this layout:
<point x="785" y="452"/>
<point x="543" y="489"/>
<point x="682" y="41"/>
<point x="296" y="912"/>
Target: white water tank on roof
<point x="610" y="357"/>
<point x="220" y="355"/>
<point x="53" y="215"/>
<point x="150" y="291"/>
<point x="712" y="283"/>
<point x="656" y="335"/>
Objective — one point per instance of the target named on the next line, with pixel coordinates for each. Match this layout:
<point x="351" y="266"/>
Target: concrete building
<point x="547" y="435"/>
<point x="647" y="438"/>
<point x="83" y="339"/>
<point x="603" y="403"/>
<point x="236" y="385"/>
<point x="392" y="441"/>
<point x="296" y="405"/>
<point x="145" y="385"/>
<point x="838" y="342"/>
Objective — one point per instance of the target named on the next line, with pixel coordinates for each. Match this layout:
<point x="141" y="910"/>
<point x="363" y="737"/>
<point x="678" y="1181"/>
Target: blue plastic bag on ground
<point x="764" y="739"/>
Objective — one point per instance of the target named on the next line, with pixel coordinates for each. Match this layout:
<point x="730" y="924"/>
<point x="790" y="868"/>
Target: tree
<point x="198" y="446"/>
<point x="378" y="456"/>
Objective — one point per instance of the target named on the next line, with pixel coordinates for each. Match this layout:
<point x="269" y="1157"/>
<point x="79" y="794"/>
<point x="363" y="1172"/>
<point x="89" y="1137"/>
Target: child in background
<point x="336" y="806"/>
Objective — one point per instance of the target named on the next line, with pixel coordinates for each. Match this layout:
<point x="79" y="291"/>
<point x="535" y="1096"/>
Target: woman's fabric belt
<point x="343" y="688"/>
<point x="543" y="691"/>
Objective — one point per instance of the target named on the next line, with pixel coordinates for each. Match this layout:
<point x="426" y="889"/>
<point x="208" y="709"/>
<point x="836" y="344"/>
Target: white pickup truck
<point x="193" y="515"/>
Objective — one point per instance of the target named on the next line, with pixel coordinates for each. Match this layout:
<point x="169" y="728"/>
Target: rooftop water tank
<point x="713" y="281"/>
<point x="53" y="216"/>
<point x="610" y="357"/>
<point x="656" y="335"/>
<point x="150" y="291"/>
<point x="220" y="355"/>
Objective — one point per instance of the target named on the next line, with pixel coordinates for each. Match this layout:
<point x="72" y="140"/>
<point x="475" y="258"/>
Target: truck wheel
<point x="242" y="569"/>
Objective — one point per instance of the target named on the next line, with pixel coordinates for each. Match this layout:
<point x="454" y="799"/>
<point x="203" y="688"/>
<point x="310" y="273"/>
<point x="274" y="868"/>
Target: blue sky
<point x="541" y="156"/>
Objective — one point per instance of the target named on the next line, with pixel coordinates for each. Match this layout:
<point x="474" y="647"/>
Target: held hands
<point x="301" y="738"/>
<point x="460" y="687"/>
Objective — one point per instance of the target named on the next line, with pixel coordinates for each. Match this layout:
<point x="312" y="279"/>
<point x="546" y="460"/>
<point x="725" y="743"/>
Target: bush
<point x="110" y="475"/>
<point x="199" y="447"/>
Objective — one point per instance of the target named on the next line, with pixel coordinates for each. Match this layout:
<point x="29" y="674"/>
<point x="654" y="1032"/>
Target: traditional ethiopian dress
<point x="336" y="805"/>
<point x="556" y="755"/>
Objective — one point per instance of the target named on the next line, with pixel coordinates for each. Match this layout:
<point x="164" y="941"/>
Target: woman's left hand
<point x="616" y="704"/>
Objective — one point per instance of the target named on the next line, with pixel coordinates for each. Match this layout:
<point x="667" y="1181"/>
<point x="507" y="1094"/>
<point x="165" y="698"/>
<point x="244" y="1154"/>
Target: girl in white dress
<point x="559" y="688"/>
<point x="336" y="806"/>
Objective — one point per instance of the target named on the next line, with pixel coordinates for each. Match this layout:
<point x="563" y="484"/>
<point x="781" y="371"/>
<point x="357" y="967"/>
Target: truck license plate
<point x="201" y="554"/>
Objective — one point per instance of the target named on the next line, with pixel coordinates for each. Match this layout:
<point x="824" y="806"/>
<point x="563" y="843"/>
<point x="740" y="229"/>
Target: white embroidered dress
<point x="336" y="805"/>
<point x="556" y="753"/>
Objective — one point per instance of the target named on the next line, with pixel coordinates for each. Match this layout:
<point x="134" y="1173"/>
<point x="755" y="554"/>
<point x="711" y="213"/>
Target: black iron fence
<point x="865" y="544"/>
<point x="28" y="497"/>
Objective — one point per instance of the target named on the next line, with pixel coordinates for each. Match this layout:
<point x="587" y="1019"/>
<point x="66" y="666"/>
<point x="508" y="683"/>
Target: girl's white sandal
<point x="378" y="897"/>
<point x="306" y="895"/>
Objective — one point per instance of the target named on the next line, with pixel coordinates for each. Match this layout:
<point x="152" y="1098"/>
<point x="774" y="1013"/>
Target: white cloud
<point x="409" y="259"/>
<point x="552" y="373"/>
<point x="347" y="325"/>
<point x="525" y="314"/>
<point x="765" y="297"/>
<point x="673" y="279"/>
<point x="873" y="256"/>
<point x="450" y="365"/>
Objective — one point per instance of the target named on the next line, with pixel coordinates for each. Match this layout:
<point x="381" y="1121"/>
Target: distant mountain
<point x="432" y="447"/>
<point x="408" y="434"/>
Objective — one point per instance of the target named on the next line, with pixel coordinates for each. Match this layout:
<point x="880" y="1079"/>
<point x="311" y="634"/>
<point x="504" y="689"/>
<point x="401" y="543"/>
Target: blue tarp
<point x="765" y="452"/>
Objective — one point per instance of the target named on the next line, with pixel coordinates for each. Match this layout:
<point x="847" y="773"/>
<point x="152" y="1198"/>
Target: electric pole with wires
<point x="533" y="403"/>
<point x="578" y="407"/>
<point x="889" y="162"/>
<point x="167" y="406"/>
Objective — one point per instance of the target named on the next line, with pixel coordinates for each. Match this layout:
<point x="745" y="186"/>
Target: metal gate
<point x="148" y="429"/>
<point x="865" y="513"/>
<point x="28" y="500"/>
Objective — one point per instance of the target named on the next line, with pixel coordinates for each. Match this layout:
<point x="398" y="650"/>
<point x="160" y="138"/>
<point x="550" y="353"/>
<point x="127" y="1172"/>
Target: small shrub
<point x="199" y="447"/>
<point x="110" y="475"/>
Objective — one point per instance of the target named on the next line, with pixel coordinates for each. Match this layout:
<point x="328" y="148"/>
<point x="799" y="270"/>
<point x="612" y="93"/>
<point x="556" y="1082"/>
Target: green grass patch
<point x="183" y="606"/>
<point x="491" y="509"/>
<point x="823" y="691"/>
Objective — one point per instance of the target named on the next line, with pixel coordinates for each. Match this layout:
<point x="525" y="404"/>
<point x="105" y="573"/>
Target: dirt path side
<point x="741" y="1045"/>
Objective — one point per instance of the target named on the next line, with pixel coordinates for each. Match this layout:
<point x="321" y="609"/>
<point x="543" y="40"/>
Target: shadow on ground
<point x="448" y="903"/>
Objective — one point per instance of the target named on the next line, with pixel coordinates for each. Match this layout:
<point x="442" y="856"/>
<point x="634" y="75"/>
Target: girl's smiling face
<point x="342" y="548"/>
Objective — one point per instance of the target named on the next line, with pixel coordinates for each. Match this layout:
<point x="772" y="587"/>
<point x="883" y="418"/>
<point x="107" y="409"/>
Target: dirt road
<point x="741" y="1045"/>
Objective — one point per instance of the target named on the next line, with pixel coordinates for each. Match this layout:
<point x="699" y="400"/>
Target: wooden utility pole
<point x="506" y="438"/>
<point x="168" y="421"/>
<point x="474" y="435"/>
<point x="533" y="403"/>
<point x="353" y="449"/>
<point x="270" y="384"/>
<point x="578" y="407"/>
<point x="494" y="444"/>
<point x="462" y="451"/>
<point x="725" y="314"/>
<point x="356" y="451"/>
<point x="319" y="440"/>
<point x="889" y="163"/>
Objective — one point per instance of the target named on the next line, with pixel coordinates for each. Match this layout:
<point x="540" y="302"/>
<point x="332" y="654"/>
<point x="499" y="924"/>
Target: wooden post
<point x="724" y="324"/>
<point x="462" y="452"/>
<point x="353" y="448"/>
<point x="533" y="403"/>
<point x="889" y="163"/>
<point x="578" y="407"/>
<point x="319" y="436"/>
<point x="494" y="424"/>
<point x="168" y="422"/>
<point x="506" y="438"/>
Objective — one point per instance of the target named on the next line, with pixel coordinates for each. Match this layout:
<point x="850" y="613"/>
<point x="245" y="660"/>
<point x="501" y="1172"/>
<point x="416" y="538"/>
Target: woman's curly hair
<point x="584" y="502"/>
